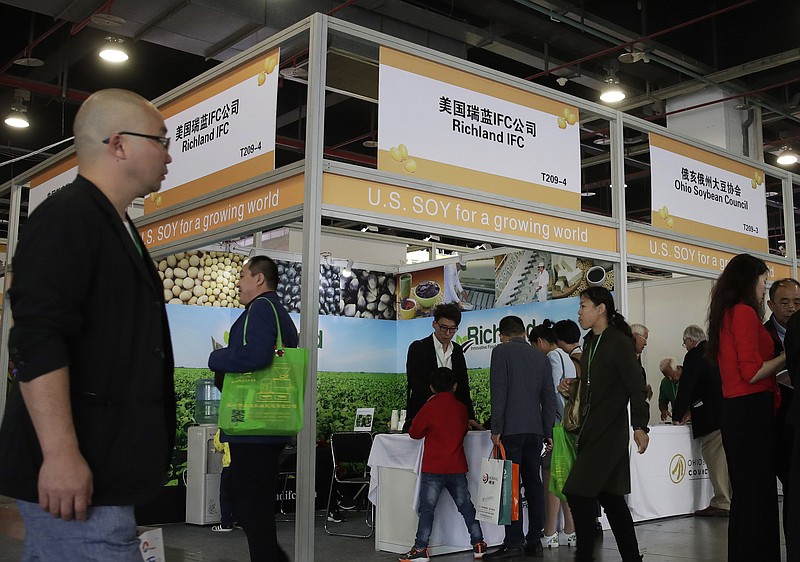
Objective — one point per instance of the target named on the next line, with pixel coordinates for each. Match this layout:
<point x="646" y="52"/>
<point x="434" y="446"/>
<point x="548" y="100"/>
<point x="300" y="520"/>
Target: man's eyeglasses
<point x="165" y="141"/>
<point x="644" y="339"/>
<point x="447" y="329"/>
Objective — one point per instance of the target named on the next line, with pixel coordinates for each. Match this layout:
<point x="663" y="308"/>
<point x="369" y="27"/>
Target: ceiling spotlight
<point x="370" y="143"/>
<point x="17" y="117"/>
<point x="588" y="193"/>
<point x="562" y="80"/>
<point x="786" y="156"/>
<point x="612" y="93"/>
<point x="432" y="237"/>
<point x="369" y="228"/>
<point x="113" y="51"/>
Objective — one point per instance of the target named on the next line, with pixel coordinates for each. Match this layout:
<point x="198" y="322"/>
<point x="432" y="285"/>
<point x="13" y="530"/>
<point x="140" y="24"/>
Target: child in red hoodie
<point x="443" y="422"/>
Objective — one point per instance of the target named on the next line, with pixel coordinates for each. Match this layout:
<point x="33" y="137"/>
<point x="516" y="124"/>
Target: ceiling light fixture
<point x="588" y="193"/>
<point x="430" y="237"/>
<point x="635" y="53"/>
<point x="612" y="93"/>
<point x="17" y="117"/>
<point x="369" y="228"/>
<point x="113" y="51"/>
<point x="787" y="156"/>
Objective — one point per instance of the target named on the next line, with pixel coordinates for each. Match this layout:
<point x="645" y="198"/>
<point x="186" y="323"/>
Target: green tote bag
<point x="268" y="401"/>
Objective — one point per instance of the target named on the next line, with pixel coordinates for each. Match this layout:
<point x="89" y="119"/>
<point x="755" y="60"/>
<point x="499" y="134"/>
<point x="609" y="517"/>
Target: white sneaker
<point x="550" y="541"/>
<point x="567" y="539"/>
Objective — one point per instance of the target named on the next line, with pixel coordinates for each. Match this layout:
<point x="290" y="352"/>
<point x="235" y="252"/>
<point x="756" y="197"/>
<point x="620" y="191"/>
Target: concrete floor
<point x="668" y="540"/>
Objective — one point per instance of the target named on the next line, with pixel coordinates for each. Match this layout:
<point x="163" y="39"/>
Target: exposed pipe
<point x="641" y="39"/>
<point x="78" y="96"/>
<point x="76" y="27"/>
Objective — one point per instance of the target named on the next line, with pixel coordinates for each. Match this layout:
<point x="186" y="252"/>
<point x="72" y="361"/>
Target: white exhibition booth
<point x="670" y="479"/>
<point x="435" y="173"/>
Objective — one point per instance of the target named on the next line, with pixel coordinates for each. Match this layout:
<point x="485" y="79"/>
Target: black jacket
<point x="701" y="385"/>
<point x="84" y="297"/>
<point x="420" y="363"/>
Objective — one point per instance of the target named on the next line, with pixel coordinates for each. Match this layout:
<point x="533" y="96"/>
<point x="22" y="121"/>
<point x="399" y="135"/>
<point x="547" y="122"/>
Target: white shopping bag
<point x="490" y="490"/>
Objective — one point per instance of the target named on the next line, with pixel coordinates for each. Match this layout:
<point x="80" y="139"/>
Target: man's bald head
<point x="118" y="140"/>
<point x="107" y="112"/>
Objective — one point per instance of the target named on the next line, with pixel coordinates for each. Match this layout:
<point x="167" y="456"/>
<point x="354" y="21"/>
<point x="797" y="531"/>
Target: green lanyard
<point x="591" y="357"/>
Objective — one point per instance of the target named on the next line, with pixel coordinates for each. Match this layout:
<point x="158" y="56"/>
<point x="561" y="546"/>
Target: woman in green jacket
<point x="611" y="378"/>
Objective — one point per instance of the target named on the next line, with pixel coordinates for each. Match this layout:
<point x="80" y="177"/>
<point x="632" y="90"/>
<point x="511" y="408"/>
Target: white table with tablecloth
<point x="395" y="463"/>
<point x="671" y="478"/>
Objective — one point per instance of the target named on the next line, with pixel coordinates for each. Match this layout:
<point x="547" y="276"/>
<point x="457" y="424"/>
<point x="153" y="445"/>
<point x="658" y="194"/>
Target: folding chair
<point x="351" y="448"/>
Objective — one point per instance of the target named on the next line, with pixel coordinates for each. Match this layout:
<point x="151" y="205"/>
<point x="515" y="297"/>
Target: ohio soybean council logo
<point x="677" y="469"/>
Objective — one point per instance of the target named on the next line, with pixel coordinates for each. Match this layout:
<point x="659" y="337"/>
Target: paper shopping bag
<point x="514" y="491"/>
<point x="490" y="489"/>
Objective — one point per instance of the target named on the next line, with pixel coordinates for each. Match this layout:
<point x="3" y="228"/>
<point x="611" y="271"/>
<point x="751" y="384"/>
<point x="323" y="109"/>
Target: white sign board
<point x="701" y="194"/>
<point x="447" y="125"/>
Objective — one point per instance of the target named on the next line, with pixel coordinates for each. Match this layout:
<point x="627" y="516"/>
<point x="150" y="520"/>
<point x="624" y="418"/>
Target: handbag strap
<point x="495" y="448"/>
<point x="279" y="340"/>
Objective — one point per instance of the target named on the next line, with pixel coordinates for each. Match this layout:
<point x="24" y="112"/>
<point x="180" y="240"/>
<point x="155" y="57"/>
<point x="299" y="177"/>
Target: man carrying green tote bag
<point x="252" y="348"/>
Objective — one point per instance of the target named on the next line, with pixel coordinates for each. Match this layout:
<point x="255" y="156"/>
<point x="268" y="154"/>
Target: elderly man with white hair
<point x="700" y="399"/>
<point x="668" y="390"/>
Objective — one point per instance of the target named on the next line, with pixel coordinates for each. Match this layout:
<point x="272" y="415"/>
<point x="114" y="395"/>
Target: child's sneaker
<point x="567" y="539"/>
<point x="222" y="528"/>
<point x="479" y="549"/>
<point x="550" y="541"/>
<point x="416" y="554"/>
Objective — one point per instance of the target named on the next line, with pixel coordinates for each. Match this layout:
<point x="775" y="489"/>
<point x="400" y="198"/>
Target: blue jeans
<point x="430" y="487"/>
<point x="526" y="450"/>
<point x="109" y="533"/>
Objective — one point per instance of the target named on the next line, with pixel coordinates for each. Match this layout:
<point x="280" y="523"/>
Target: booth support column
<point x="309" y="316"/>
<point x="5" y="326"/>
<point x="787" y="184"/>
<point x="619" y="210"/>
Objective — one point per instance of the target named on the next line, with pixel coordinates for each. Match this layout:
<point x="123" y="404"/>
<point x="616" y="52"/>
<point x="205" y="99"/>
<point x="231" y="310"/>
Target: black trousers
<point x="254" y="481"/>
<point x="584" y="512"/>
<point x="748" y="438"/>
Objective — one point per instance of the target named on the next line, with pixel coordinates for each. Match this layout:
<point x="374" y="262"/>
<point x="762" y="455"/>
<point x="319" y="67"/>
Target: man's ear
<point x="455" y="386"/>
<point x="260" y="279"/>
<point x="115" y="148"/>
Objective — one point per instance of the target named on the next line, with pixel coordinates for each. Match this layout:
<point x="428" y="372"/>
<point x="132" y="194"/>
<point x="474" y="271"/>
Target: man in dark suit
<point x="700" y="400"/>
<point x="89" y="432"/>
<point x="428" y="354"/>
<point x="784" y="301"/>
<point x="523" y="414"/>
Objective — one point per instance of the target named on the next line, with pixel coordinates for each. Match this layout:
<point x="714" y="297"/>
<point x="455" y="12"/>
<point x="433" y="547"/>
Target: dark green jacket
<point x="615" y="378"/>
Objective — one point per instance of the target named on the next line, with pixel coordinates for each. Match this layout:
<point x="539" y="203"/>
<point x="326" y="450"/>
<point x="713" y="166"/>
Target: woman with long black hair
<point x="610" y="379"/>
<point x="739" y="343"/>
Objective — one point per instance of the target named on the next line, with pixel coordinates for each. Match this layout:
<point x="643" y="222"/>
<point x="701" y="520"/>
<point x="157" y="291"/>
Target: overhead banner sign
<point x="449" y="126"/>
<point x="48" y="182"/>
<point x="435" y="210"/>
<point x="704" y="195"/>
<point x="222" y="133"/>
<point x="256" y="203"/>
<point x="690" y="255"/>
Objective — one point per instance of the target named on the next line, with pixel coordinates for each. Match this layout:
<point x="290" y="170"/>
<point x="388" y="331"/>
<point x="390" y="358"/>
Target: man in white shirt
<point x="428" y="354"/>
